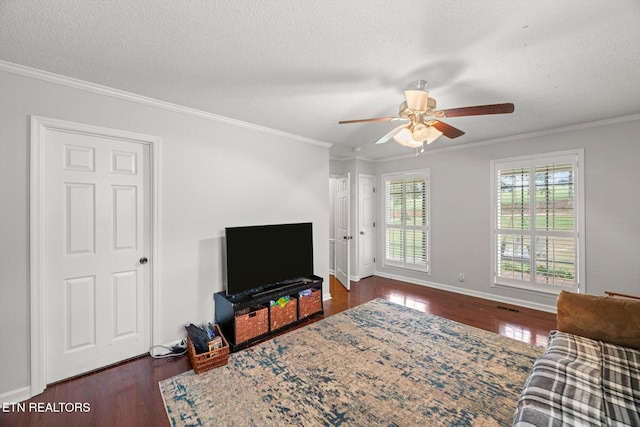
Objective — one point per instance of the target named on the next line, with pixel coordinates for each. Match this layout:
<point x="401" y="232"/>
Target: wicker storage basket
<point x="211" y="359"/>
<point x="251" y="323"/>
<point x="282" y="316"/>
<point x="308" y="305"/>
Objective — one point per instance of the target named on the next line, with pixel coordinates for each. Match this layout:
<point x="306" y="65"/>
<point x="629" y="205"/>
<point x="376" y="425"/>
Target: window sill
<point x="532" y="288"/>
<point x="417" y="269"/>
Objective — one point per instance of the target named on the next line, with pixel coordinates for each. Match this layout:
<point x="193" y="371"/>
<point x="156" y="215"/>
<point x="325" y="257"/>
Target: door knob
<point x="143" y="260"/>
<point x="362" y="232"/>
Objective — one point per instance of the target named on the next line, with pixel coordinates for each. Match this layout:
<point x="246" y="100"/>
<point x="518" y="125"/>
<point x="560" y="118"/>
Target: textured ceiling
<point x="300" y="66"/>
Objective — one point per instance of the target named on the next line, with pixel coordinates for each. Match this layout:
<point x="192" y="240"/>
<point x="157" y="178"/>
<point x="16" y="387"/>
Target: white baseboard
<point x="24" y="393"/>
<point x="15" y="396"/>
<point x="484" y="295"/>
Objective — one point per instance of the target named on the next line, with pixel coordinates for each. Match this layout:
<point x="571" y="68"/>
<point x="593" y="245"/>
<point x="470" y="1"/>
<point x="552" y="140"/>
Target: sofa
<point x="589" y="374"/>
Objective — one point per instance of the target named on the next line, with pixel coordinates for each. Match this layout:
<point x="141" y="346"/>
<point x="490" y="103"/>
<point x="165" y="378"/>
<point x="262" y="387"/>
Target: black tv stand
<point x="234" y="315"/>
<point x="279" y="288"/>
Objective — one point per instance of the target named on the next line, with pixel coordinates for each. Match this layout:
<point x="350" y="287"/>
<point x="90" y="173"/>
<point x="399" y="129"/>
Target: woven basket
<point x="308" y="305"/>
<point x="211" y="359"/>
<point x="251" y="323"/>
<point x="282" y="316"/>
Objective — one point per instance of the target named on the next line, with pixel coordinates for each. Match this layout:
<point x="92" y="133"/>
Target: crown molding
<point x="116" y="93"/>
<point x="144" y="100"/>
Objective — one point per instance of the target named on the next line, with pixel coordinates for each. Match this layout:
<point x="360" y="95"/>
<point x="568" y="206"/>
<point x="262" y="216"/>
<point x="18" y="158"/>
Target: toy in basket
<point x="215" y="354"/>
<point x="282" y="312"/>
<point x="309" y="302"/>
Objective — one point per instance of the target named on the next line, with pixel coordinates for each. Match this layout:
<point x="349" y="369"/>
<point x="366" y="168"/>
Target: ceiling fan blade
<point x="379" y="119"/>
<point x="447" y="130"/>
<point x="391" y="134"/>
<point x="480" y="110"/>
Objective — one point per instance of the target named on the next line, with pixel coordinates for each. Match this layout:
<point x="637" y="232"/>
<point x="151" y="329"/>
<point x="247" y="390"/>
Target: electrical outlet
<point x="461" y="277"/>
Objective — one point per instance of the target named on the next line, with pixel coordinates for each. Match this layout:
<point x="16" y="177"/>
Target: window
<point x="537" y="215"/>
<point x="406" y="227"/>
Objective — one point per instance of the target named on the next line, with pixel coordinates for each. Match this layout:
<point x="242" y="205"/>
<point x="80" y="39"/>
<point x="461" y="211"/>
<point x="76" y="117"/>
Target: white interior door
<point x="366" y="241"/>
<point x="343" y="232"/>
<point x="95" y="275"/>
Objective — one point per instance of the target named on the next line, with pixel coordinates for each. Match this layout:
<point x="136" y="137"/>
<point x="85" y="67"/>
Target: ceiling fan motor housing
<point x="417" y="99"/>
<point x="425" y="105"/>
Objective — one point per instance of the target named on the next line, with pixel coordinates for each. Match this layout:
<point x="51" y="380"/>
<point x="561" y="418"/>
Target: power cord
<point x="175" y="351"/>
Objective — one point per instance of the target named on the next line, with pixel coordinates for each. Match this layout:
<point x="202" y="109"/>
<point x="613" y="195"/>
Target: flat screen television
<point x="265" y="256"/>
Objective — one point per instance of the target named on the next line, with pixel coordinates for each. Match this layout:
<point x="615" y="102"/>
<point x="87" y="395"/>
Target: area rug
<point x="378" y="364"/>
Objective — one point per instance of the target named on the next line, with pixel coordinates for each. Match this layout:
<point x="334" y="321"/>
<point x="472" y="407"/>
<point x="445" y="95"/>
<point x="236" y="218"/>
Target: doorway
<point x="93" y="258"/>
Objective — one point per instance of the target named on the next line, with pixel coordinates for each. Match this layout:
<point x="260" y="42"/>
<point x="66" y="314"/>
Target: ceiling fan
<point x="424" y="124"/>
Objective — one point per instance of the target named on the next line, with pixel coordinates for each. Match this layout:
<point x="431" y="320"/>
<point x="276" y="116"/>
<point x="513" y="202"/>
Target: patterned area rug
<point x="378" y="364"/>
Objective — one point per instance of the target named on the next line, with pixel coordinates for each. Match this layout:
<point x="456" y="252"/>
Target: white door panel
<point x="96" y="231"/>
<point x="343" y="236"/>
<point x="79" y="215"/>
<point x="125" y="295"/>
<point x="365" y="225"/>
<point x="80" y="296"/>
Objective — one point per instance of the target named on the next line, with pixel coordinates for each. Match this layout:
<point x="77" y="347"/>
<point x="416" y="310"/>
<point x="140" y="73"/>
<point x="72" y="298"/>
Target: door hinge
<point x="374" y="189"/>
<point x="374" y="224"/>
<point x="374" y="260"/>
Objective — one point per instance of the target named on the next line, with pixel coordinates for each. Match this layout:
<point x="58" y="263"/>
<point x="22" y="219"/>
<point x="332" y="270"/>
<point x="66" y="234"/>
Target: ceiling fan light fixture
<point x="416" y="136"/>
<point x="433" y="135"/>
<point x="404" y="137"/>
<point x="420" y="132"/>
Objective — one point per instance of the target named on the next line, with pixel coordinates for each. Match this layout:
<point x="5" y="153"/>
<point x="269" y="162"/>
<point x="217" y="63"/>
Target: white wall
<point x="213" y="174"/>
<point x="461" y="211"/>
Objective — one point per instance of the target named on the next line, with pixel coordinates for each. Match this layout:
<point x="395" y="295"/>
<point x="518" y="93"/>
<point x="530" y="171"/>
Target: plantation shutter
<point x="406" y="220"/>
<point x="536" y="223"/>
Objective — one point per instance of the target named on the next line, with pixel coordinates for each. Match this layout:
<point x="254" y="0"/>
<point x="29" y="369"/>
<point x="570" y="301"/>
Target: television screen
<point x="260" y="257"/>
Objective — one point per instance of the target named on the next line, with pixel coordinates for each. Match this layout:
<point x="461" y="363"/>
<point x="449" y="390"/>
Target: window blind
<point x="406" y="220"/>
<point x="536" y="223"/>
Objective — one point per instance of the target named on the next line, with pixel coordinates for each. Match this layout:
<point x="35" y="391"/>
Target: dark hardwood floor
<point x="523" y="324"/>
<point x="128" y="395"/>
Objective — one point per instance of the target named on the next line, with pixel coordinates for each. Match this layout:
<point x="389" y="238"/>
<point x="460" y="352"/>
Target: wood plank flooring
<point x="128" y="395"/>
<point x="524" y="324"/>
